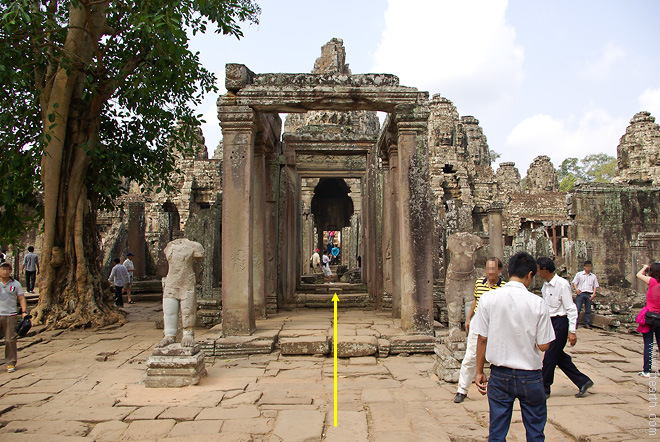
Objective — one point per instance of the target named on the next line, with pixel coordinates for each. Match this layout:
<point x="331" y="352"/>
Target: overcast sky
<point x="561" y="78"/>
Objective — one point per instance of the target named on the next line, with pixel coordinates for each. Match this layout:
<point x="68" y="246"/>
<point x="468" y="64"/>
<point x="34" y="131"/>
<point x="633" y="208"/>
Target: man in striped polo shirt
<point x="469" y="365"/>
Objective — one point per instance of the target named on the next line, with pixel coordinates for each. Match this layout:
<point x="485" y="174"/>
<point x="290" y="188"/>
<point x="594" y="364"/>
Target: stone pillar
<point x="393" y="195"/>
<point x="259" y="232"/>
<point x="387" y="230"/>
<point x="415" y="221"/>
<point x="136" y="242"/>
<point x="272" y="190"/>
<point x="495" y="237"/>
<point x="238" y="131"/>
<point x="638" y="259"/>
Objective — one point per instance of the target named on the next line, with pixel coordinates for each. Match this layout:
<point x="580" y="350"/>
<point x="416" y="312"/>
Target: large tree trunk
<point x="72" y="291"/>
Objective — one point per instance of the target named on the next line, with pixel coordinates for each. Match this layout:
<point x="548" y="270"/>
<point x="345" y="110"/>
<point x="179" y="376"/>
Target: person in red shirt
<point x="652" y="278"/>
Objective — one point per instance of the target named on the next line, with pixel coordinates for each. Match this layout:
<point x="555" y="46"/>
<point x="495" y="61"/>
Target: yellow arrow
<point x="335" y="300"/>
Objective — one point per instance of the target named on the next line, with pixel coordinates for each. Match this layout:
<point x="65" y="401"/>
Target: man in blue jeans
<point x="585" y="283"/>
<point x="512" y="323"/>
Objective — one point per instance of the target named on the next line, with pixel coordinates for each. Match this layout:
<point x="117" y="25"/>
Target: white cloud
<point x="464" y="50"/>
<point x="649" y="100"/>
<point x="211" y="129"/>
<point x="594" y="131"/>
<point x="603" y="63"/>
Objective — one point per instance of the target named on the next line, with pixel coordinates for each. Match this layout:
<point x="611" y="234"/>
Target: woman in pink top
<point x="653" y="305"/>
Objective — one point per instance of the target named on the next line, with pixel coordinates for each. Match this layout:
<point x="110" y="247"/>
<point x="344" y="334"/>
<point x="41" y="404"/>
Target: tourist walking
<point x="650" y="315"/>
<point x="327" y="273"/>
<point x="585" y="283"/>
<point x="31" y="267"/>
<point x="130" y="268"/>
<point x="119" y="277"/>
<point x="315" y="261"/>
<point x="512" y="324"/>
<point x="11" y="291"/>
<point x="558" y="295"/>
<point x="469" y="365"/>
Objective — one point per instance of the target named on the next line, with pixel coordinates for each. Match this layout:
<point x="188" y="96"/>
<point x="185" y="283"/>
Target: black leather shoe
<point x="460" y="397"/>
<point x="584" y="388"/>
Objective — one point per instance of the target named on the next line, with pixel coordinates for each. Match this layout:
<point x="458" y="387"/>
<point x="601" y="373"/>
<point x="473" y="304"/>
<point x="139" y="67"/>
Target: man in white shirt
<point x="119" y="277"/>
<point x="585" y="284"/>
<point x="130" y="268"/>
<point x="558" y="295"/>
<point x="315" y="260"/>
<point x="513" y="324"/>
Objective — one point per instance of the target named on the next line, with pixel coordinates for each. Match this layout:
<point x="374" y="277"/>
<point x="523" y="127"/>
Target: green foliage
<point x="494" y="155"/>
<point x="599" y="168"/>
<point x="138" y="77"/>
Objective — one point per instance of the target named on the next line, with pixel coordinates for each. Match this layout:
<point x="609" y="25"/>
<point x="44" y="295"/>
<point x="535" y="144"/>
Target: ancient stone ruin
<point x="393" y="172"/>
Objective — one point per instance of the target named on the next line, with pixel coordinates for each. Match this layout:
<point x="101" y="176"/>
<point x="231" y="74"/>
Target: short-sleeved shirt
<point x="9" y="294"/>
<point x="653" y="295"/>
<point x="481" y="287"/>
<point x="130" y="268"/>
<point x="119" y="275"/>
<point x="30" y="262"/>
<point x="515" y="321"/>
<point x="586" y="282"/>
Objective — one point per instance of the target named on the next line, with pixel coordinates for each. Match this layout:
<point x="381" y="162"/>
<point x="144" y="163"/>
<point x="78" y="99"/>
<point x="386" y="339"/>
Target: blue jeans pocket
<point x="498" y="387"/>
<point x="533" y="391"/>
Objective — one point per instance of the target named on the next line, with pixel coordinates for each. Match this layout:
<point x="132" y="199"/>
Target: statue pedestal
<point x="175" y="366"/>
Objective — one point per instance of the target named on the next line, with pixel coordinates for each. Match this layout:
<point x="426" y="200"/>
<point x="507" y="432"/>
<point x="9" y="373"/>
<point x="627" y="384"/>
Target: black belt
<point x="512" y="370"/>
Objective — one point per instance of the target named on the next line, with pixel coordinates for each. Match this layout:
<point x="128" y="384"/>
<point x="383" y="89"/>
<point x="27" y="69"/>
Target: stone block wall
<point x="609" y="217"/>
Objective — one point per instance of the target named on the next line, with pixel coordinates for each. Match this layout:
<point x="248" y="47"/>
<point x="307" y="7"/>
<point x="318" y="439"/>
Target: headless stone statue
<point x="183" y="257"/>
<point x="459" y="287"/>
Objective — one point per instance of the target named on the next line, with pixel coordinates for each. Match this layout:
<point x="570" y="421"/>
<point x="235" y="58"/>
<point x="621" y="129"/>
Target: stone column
<point x="387" y="229"/>
<point x="415" y="221"/>
<point x="495" y="237"/>
<point x="393" y="195"/>
<point x="259" y="232"/>
<point x="638" y="259"/>
<point x="238" y="131"/>
<point x="136" y="242"/>
<point x="272" y="190"/>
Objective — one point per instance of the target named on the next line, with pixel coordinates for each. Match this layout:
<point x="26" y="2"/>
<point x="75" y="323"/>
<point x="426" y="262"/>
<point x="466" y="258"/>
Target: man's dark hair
<point x="521" y="264"/>
<point x="654" y="271"/>
<point x="587" y="262"/>
<point x="116" y="261"/>
<point x="30" y="249"/>
<point x="546" y="263"/>
<point x="499" y="263"/>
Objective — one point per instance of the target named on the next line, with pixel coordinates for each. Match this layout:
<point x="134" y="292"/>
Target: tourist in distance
<point x="31" y="267"/>
<point x="585" y="283"/>
<point x="130" y="268"/>
<point x="511" y="323"/>
<point x="650" y="314"/>
<point x="315" y="261"/>
<point x="10" y="292"/>
<point x="335" y="254"/>
<point x="327" y="273"/>
<point x="119" y="277"/>
<point x="558" y="295"/>
<point x="492" y="281"/>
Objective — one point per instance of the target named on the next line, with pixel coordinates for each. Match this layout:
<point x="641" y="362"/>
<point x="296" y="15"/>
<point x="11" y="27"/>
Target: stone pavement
<point x="87" y="386"/>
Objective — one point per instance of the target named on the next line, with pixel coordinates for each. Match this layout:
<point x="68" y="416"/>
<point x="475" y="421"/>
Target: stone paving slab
<point x="99" y="395"/>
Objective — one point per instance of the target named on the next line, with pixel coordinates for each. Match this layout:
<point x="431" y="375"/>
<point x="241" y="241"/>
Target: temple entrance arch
<point x="264" y="180"/>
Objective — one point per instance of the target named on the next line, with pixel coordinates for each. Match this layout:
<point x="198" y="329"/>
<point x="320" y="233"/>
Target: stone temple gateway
<point x="389" y="170"/>
<point x="397" y="173"/>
